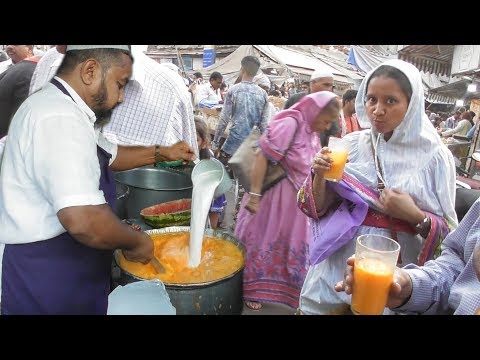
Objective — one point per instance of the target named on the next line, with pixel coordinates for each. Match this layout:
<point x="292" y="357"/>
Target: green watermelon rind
<point x="166" y="220"/>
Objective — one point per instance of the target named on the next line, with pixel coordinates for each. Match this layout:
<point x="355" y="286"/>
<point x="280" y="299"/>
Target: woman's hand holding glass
<point x="322" y="162"/>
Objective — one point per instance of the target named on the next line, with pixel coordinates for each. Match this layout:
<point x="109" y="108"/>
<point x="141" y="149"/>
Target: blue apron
<point x="59" y="275"/>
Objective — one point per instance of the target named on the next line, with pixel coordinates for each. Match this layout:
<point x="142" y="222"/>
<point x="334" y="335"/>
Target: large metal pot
<point x="218" y="297"/>
<point x="122" y="192"/>
<point x="150" y="186"/>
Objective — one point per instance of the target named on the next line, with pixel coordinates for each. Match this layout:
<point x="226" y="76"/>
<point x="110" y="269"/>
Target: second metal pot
<point x="150" y="186"/>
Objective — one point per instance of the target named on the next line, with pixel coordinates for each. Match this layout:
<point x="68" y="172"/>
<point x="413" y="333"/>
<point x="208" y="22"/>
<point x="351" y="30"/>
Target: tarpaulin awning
<point x="286" y="63"/>
<point x="365" y="60"/>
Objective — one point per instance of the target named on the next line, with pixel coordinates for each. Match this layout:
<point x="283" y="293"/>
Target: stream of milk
<point x="204" y="186"/>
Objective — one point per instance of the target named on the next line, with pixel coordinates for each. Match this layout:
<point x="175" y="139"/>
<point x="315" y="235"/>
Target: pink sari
<point x="276" y="238"/>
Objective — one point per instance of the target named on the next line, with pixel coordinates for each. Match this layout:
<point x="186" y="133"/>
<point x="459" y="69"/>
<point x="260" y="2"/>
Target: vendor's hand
<point x="400" y="205"/>
<point x="143" y="251"/>
<point x="216" y="153"/>
<point x="322" y="162"/>
<point x="253" y="204"/>
<point x="400" y="291"/>
<point x="180" y="150"/>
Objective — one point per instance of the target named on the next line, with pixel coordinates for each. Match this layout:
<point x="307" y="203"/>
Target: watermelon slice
<point x="172" y="213"/>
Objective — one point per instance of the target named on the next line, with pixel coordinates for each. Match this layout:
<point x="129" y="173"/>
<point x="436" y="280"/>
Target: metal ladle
<point x="158" y="265"/>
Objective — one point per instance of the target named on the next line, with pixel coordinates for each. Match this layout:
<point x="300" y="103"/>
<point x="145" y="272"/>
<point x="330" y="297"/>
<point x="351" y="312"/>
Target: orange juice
<point x="219" y="259"/>
<point x="339" y="158"/>
<point x="371" y="285"/>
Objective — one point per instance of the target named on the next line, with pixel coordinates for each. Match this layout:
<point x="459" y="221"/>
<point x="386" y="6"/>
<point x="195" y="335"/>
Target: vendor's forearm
<point x="97" y="226"/>
<point x="131" y="157"/>
<point x="258" y="174"/>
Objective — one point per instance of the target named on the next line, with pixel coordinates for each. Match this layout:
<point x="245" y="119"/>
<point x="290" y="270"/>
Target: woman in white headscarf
<point x="403" y="153"/>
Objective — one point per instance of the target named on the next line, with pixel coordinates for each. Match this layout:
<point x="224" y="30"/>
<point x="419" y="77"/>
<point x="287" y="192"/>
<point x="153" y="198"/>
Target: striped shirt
<point x="157" y="108"/>
<point x="449" y="283"/>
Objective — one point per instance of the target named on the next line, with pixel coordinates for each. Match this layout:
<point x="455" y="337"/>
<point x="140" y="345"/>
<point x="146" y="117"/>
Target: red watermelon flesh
<point x="172" y="213"/>
<point x="168" y="207"/>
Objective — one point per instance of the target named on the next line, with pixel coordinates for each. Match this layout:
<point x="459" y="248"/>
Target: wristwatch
<point x="423" y="227"/>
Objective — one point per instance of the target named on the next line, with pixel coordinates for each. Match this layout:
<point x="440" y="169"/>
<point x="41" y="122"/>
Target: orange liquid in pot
<point x="220" y="258"/>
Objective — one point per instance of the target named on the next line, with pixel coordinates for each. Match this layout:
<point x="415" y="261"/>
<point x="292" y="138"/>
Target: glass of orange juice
<point x="375" y="261"/>
<point x="339" y="155"/>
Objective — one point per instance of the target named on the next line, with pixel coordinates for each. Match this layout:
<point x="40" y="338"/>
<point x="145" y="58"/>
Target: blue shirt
<point x="449" y="282"/>
<point x="246" y="105"/>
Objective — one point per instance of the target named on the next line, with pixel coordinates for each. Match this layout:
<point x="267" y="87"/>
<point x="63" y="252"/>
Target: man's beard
<point x="101" y="112"/>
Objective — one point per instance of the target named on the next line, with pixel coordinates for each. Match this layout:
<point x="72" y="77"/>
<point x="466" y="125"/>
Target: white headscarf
<point x="412" y="154"/>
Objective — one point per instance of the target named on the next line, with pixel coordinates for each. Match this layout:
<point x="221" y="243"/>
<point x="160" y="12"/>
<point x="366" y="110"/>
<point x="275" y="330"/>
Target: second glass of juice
<point x="375" y="261"/>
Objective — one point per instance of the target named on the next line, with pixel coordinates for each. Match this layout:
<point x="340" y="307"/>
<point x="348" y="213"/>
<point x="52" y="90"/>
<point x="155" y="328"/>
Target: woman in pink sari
<point x="274" y="231"/>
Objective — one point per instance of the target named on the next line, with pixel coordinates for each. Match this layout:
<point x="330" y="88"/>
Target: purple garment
<point x="218" y="204"/>
<point x="338" y="225"/>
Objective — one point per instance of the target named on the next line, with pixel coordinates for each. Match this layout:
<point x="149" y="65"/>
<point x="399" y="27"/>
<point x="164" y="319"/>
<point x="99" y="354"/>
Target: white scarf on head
<point x="413" y="144"/>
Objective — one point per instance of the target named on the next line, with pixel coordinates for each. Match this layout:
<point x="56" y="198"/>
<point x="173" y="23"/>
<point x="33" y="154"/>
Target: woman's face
<point x="324" y="119"/>
<point x="386" y="104"/>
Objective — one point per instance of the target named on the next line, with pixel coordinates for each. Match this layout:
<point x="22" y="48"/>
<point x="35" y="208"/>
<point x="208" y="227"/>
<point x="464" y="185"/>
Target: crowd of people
<point x="79" y="112"/>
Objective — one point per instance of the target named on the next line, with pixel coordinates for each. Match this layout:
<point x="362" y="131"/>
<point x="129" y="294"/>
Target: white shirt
<point x="2" y="148"/>
<point x="207" y="93"/>
<point x="50" y="163"/>
<point x="45" y="70"/>
<point x="157" y="108"/>
<point x="460" y="129"/>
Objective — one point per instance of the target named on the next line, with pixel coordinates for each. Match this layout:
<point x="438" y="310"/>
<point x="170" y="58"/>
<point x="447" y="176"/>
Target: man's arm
<point x="98" y="227"/>
<point x="433" y="282"/>
<point x="66" y="170"/>
<point x="131" y="157"/>
<point x="265" y="116"/>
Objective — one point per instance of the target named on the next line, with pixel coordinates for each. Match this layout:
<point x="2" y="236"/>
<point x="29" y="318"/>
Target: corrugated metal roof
<point x="189" y="49"/>
<point x="457" y="90"/>
<point x="432" y="58"/>
<point x="439" y="99"/>
<point x="300" y="62"/>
